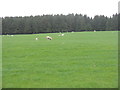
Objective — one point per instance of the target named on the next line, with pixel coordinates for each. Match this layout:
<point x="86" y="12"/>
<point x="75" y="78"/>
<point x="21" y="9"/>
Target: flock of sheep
<point x="50" y="38"/>
<point x="47" y="37"/>
<point x="8" y="35"/>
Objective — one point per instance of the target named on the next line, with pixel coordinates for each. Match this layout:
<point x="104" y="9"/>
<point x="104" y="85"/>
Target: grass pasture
<point x="76" y="60"/>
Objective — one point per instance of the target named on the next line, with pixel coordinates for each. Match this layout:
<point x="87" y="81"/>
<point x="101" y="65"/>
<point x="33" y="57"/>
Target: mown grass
<point x="76" y="60"/>
<point x="0" y="61"/>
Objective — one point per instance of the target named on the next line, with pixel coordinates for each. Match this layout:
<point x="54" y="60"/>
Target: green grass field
<point x="0" y="62"/>
<point x="76" y="60"/>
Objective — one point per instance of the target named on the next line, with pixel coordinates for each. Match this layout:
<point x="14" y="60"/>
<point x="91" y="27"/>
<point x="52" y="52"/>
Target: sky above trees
<point x="40" y="7"/>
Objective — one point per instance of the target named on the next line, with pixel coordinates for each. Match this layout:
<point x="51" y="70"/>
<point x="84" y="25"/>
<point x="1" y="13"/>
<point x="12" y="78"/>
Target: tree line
<point x="58" y="23"/>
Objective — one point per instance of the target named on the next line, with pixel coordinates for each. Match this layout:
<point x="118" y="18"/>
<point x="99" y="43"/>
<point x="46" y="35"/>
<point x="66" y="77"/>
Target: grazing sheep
<point x="48" y="37"/>
<point x="62" y="35"/>
<point x="36" y="38"/>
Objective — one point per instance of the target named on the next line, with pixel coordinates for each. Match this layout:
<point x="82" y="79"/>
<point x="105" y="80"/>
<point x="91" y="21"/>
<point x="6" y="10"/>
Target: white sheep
<point x="36" y="38"/>
<point x="62" y="34"/>
<point x="48" y="37"/>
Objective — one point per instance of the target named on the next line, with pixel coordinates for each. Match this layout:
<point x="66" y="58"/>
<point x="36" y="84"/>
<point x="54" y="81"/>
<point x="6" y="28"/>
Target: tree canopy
<point x="58" y="23"/>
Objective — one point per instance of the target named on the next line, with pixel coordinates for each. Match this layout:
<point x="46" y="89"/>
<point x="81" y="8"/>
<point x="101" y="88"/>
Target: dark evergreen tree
<point x="58" y="23"/>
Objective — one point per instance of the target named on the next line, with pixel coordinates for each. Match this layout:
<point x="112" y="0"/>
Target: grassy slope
<point x="0" y="61"/>
<point x="76" y="60"/>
